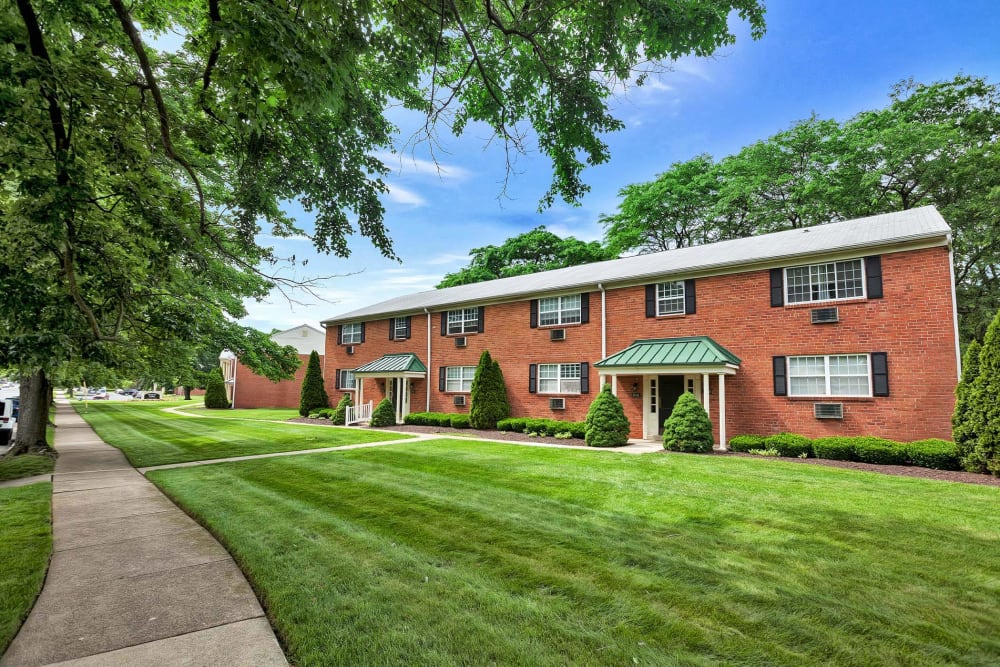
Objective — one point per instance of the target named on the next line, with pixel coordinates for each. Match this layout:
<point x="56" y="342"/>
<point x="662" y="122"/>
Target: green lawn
<point x="456" y="552"/>
<point x="149" y="436"/>
<point x="26" y="465"/>
<point x="267" y="414"/>
<point x="25" y="545"/>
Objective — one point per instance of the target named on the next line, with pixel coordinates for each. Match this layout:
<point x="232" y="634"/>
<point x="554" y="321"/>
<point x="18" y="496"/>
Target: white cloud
<point x="401" y="195"/>
<point x="409" y="164"/>
<point x="447" y="258"/>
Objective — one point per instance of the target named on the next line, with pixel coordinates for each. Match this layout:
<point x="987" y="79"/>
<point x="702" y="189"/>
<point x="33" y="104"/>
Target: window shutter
<point x="585" y="308"/>
<point x="780" y="377"/>
<point x="392" y="328"/>
<point x="584" y="377"/>
<point x="533" y="317"/>
<point x="650" y="300"/>
<point x="689" y="302"/>
<point x="340" y="334"/>
<point x="777" y="288"/>
<point x="880" y="374"/>
<point x="441" y="372"/>
<point x="408" y="320"/>
<point x="873" y="276"/>
<point x="336" y="381"/>
<point x="444" y="323"/>
<point x="362" y="332"/>
<point x="482" y="313"/>
<point x="532" y="378"/>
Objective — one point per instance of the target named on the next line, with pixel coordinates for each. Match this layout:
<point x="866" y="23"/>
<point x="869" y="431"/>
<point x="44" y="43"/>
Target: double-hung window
<point x="556" y="310"/>
<point x="400" y="328"/>
<point x="350" y="334"/>
<point x="670" y="298"/>
<point x="559" y="378"/>
<point x="825" y="282"/>
<point x="463" y="321"/>
<point x="346" y="380"/>
<point x="829" y="375"/>
<point x="459" y="378"/>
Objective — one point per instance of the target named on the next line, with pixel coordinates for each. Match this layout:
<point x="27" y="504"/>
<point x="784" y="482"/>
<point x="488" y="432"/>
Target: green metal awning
<point x="393" y="364"/>
<point x="691" y="352"/>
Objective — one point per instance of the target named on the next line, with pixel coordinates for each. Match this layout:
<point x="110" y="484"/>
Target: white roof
<point x="304" y="338"/>
<point x="918" y="225"/>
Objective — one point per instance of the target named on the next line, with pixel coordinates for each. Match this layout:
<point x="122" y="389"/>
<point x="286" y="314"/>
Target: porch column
<point x="704" y="392"/>
<point x="359" y="382"/>
<point x="614" y="385"/>
<point x="722" y="412"/>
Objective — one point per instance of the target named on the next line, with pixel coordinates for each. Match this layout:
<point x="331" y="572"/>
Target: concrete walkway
<point x="133" y="580"/>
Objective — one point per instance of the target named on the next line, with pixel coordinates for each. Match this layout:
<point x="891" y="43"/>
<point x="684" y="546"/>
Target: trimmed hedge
<point x="744" y="443"/>
<point x="880" y="450"/>
<point x="428" y="419"/>
<point x="460" y="421"/>
<point x="934" y="453"/>
<point x="835" y="448"/>
<point x="791" y="445"/>
<point x="546" y="427"/>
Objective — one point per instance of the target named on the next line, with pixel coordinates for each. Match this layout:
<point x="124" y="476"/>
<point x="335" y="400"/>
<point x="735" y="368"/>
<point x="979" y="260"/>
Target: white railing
<point x="358" y="413"/>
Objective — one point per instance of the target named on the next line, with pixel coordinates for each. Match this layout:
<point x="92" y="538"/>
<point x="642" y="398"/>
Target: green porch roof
<point x="400" y="362"/>
<point x="688" y="351"/>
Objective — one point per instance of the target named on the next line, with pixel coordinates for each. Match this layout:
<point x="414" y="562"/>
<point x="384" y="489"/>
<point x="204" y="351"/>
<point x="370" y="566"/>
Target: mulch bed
<point x="899" y="471"/>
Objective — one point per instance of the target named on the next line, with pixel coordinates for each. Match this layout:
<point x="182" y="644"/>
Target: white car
<point x="8" y="418"/>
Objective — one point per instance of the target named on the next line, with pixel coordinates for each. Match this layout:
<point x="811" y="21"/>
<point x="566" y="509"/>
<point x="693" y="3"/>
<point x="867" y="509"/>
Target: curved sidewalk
<point x="133" y="580"/>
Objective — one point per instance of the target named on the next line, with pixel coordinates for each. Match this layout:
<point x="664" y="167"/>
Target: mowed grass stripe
<point x="151" y="437"/>
<point x="459" y="552"/>
<point x="25" y="546"/>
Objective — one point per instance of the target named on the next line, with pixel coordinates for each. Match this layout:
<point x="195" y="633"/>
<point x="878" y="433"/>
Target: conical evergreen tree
<point x="606" y="423"/>
<point x="313" y="393"/>
<point x="215" y="390"/>
<point x="489" y="394"/>
<point x="962" y="433"/>
<point x="984" y="413"/>
<point x="383" y="414"/>
<point x="688" y="428"/>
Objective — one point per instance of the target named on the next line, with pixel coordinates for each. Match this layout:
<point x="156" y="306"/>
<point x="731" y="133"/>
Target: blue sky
<point x="833" y="59"/>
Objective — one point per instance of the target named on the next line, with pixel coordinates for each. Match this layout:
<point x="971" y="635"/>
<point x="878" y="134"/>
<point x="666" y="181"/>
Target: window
<point x="831" y="375"/>
<point x="559" y="378"/>
<point x="400" y="328"/>
<point x="670" y="298"/>
<point x="346" y="380"/>
<point x="463" y="321"/>
<point x="825" y="282"/>
<point x="459" y="378"/>
<point x="351" y="333"/>
<point x="559" y="310"/>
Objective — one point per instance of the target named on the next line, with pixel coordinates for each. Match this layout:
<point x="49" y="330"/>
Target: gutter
<point x="954" y="308"/>
<point x="427" y="408"/>
<point x="604" y="321"/>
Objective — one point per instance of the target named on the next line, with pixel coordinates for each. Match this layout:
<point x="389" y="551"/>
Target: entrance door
<point x="670" y="389"/>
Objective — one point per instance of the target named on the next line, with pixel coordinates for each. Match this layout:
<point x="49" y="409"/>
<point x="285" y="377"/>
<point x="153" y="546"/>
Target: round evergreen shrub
<point x="215" y="391"/>
<point x="313" y="394"/>
<point x="791" y="445"/>
<point x="688" y="428"/>
<point x="459" y="421"/>
<point x="834" y="448"/>
<point x="880" y="451"/>
<point x="934" y="453"/>
<point x="338" y="415"/>
<point x="744" y="443"/>
<point x="606" y="423"/>
<point x="383" y="414"/>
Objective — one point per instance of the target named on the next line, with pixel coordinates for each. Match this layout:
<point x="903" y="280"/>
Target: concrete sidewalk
<point x="133" y="580"/>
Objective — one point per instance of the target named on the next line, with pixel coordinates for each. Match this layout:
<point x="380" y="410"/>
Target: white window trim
<point x="659" y="312"/>
<point x="560" y="310"/>
<point x="461" y="379"/>
<point x="466" y="322"/>
<point x="340" y="380"/>
<point x="354" y="334"/>
<point x="827" y="376"/>
<point x="559" y="379"/>
<point x="864" y="283"/>
<point x="398" y="331"/>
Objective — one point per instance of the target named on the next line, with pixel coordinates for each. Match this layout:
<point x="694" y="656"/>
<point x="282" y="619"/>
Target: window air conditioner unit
<point x="825" y="315"/>
<point x="557" y="334"/>
<point x="828" y="410"/>
<point x="461" y="341"/>
<point x="460" y="400"/>
<point x="557" y="403"/>
<point x="349" y="349"/>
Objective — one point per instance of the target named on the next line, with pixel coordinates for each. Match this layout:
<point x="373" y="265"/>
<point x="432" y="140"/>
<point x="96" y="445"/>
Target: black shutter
<point x="780" y="377"/>
<point x="532" y="377"/>
<point x="408" y="319"/>
<point x="336" y="380"/>
<point x="873" y="276"/>
<point x="650" y="300"/>
<point x="777" y="288"/>
<point x="444" y="323"/>
<point x="340" y="334"/>
<point x="482" y="314"/>
<point x="441" y="376"/>
<point x="689" y="301"/>
<point x="880" y="374"/>
<point x="585" y="308"/>
<point x="392" y="328"/>
<point x="533" y="317"/>
<point x="584" y="377"/>
<point x="362" y="332"/>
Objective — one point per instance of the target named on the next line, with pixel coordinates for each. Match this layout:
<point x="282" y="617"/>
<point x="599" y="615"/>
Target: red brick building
<point x="843" y="329"/>
<point x="249" y="390"/>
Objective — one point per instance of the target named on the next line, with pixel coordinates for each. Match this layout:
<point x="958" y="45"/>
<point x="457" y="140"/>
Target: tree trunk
<point x="187" y="392"/>
<point x="33" y="415"/>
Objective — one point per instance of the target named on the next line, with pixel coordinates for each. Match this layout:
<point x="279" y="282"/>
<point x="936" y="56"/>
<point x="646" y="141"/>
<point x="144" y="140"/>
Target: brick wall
<point x="256" y="391"/>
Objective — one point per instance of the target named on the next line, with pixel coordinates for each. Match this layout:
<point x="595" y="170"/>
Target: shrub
<point x="516" y="424"/>
<point x="688" y="428"/>
<point x="765" y="452"/>
<point x="383" y="414"/>
<point x="744" y="443"/>
<point x="215" y="391"/>
<point x="606" y="423"/>
<point x="313" y="394"/>
<point x="961" y="426"/>
<point x="880" y="450"/>
<point x="460" y="421"/>
<point x="430" y="418"/>
<point x="983" y="417"/>
<point x="934" y="453"/>
<point x="835" y="448"/>
<point x="338" y="415"/>
<point x="789" y="444"/>
<point x="488" y="394"/>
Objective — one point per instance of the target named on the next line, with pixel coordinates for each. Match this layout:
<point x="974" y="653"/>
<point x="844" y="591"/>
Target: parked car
<point x="129" y="392"/>
<point x="8" y="418"/>
<point x="151" y="395"/>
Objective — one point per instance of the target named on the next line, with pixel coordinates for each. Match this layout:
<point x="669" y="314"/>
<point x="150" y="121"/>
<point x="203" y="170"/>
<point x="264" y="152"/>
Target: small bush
<point x="459" y="421"/>
<point x="934" y="453"/>
<point x="765" y="452"/>
<point x="215" y="391"/>
<point x="744" y="443"/>
<point x="688" y="428"/>
<point x="880" y="451"/>
<point x="383" y="414"/>
<point x="606" y="423"/>
<point x="565" y="435"/>
<point x="835" y="448"/>
<point x="515" y="424"/>
<point x="338" y="415"/>
<point x="789" y="444"/>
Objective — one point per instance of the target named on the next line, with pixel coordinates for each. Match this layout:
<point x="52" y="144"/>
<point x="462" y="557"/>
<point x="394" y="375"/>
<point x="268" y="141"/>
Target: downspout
<point x="325" y="355"/>
<point x="604" y="327"/>
<point x="427" y="314"/>
<point x="954" y="308"/>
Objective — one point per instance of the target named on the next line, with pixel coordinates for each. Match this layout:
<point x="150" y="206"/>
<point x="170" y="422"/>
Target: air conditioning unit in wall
<point x="461" y="341"/>
<point x="557" y="334"/>
<point x="349" y="349"/>
<point x="459" y="400"/>
<point x="557" y="403"/>
<point x="828" y="410"/>
<point x="825" y="315"/>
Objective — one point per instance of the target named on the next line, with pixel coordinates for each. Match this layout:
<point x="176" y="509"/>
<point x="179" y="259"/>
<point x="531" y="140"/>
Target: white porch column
<point x="722" y="412"/>
<point x="704" y="393"/>
<point x="614" y="385"/>
<point x="359" y="382"/>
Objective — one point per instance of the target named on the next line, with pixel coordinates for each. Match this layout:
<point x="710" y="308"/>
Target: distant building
<point x="254" y="391"/>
